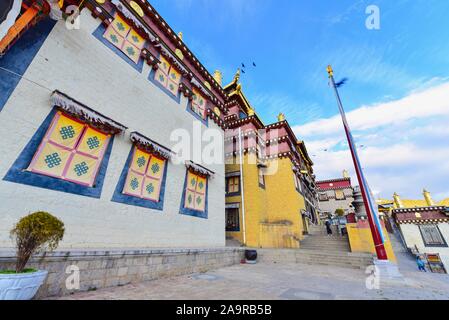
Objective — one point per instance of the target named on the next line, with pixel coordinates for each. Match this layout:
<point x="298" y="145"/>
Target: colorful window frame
<point x="145" y="176"/>
<point x="199" y="104"/>
<point x="233" y="186"/>
<point x="431" y="235"/>
<point x="194" y="199"/>
<point x="136" y="168"/>
<point x="18" y="172"/>
<point x="70" y="150"/>
<point x="168" y="77"/>
<point x="120" y="34"/>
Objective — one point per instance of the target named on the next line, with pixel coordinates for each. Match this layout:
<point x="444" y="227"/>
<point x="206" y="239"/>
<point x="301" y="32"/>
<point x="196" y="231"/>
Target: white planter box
<point x="21" y="286"/>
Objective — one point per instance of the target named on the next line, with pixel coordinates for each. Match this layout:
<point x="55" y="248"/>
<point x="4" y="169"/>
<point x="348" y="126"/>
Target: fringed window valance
<point x="85" y="114"/>
<point x="151" y="146"/>
<point x="198" y="169"/>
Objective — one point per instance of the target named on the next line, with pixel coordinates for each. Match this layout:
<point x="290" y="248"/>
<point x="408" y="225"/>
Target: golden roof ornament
<point x="428" y="198"/>
<point x="237" y="76"/>
<point x="218" y="76"/>
<point x="281" y="117"/>
<point x="251" y="112"/>
<point x="397" y="201"/>
<point x="180" y="35"/>
<point x="345" y="174"/>
<point x="330" y="71"/>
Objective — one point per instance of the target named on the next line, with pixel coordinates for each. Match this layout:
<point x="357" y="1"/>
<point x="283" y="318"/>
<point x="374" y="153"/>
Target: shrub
<point x="340" y="212"/>
<point x="34" y="233"/>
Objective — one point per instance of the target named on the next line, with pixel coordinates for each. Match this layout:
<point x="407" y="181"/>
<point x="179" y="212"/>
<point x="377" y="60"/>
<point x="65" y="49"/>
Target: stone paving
<point x="268" y="281"/>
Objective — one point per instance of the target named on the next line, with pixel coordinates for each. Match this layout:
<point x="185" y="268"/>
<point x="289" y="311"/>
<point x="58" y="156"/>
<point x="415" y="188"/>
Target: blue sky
<point x="398" y="78"/>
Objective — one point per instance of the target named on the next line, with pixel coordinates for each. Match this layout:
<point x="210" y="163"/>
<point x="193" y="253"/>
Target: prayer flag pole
<point x="371" y="211"/>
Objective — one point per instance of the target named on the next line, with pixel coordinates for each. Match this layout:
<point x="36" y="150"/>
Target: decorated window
<point x="168" y="77"/>
<point x="233" y="184"/>
<point x="125" y="38"/>
<point x="198" y="104"/>
<point x="70" y="150"/>
<point x="339" y="195"/>
<point x="145" y="176"/>
<point x="323" y="196"/>
<point x="431" y="235"/>
<point x="195" y="196"/>
<point x="232" y="220"/>
<point x="297" y="181"/>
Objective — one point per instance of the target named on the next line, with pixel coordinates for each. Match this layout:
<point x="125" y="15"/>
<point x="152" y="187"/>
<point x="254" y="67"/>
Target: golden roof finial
<point x="281" y="117"/>
<point x="428" y="198"/>
<point x="237" y="76"/>
<point x="330" y="71"/>
<point x="180" y="35"/>
<point x="397" y="201"/>
<point x="218" y="76"/>
<point x="345" y="174"/>
<point x="251" y="112"/>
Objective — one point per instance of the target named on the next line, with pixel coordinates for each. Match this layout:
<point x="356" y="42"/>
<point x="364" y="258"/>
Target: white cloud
<point x="405" y="144"/>
<point x="431" y="102"/>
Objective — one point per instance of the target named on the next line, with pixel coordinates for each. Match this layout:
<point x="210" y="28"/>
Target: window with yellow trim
<point x="167" y="76"/>
<point x="70" y="150"/>
<point x="233" y="185"/>
<point x="195" y="196"/>
<point x="125" y="38"/>
<point x="145" y="176"/>
<point x="199" y="104"/>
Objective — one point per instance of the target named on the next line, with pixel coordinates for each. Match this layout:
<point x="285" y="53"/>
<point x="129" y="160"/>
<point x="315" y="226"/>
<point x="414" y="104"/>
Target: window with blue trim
<point x="194" y="201"/>
<point x="142" y="181"/>
<point x="64" y="155"/>
<point x="198" y="104"/>
<point x="125" y="38"/>
<point x="168" y="77"/>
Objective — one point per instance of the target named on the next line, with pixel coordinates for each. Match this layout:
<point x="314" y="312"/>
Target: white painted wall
<point x="413" y="237"/>
<point x="78" y="64"/>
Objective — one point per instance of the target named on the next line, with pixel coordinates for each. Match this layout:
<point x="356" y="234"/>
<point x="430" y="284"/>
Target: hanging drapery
<point x="9" y="11"/>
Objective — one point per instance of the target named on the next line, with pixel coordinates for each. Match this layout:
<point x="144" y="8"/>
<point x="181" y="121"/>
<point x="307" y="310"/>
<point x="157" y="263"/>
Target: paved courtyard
<point x="280" y="281"/>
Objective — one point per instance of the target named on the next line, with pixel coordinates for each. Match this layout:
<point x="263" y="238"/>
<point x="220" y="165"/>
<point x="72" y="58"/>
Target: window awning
<point x="150" y="145"/>
<point x="86" y="114"/>
<point x="198" y="169"/>
<point x="9" y="11"/>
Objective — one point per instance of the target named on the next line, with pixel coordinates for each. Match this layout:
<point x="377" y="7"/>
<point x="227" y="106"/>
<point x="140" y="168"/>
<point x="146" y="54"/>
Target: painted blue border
<point x="99" y="32"/>
<point x="119" y="197"/>
<point x="20" y="56"/>
<point x="176" y="98"/>
<point x="17" y="173"/>
<point x="190" y="212"/>
<point x="197" y="116"/>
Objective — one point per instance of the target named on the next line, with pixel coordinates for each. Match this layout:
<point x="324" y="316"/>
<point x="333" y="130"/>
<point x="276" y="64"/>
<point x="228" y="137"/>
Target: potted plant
<point x="34" y="233"/>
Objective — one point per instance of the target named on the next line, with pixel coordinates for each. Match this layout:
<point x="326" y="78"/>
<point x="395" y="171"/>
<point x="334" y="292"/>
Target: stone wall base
<point x="103" y="269"/>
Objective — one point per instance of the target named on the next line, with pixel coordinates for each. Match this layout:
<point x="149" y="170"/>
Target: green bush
<point x="340" y="212"/>
<point x="36" y="232"/>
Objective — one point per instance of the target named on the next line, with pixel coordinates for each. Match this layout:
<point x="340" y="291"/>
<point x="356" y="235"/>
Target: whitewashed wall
<point x="78" y="64"/>
<point x="413" y="237"/>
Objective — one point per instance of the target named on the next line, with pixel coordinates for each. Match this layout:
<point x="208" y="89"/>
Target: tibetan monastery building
<point x="270" y="185"/>
<point x="92" y="111"/>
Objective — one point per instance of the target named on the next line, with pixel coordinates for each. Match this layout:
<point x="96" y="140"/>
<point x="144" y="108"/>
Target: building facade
<point x="336" y="194"/>
<point x="270" y="187"/>
<point x="92" y="116"/>
<point x="424" y="225"/>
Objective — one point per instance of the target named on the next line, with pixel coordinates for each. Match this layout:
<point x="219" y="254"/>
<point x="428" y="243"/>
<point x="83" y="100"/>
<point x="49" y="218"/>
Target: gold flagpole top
<point x="330" y="71"/>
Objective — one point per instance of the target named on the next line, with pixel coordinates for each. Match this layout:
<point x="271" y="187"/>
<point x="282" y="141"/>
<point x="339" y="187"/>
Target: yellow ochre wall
<point x="361" y="240"/>
<point x="273" y="215"/>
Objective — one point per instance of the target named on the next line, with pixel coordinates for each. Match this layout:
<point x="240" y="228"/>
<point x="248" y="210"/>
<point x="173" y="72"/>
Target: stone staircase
<point x="320" y="249"/>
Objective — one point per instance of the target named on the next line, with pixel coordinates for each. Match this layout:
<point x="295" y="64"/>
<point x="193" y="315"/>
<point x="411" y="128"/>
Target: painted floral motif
<point x="81" y="169"/>
<point x="53" y="160"/>
<point x="150" y="188"/>
<point x="114" y="38"/>
<point x="198" y="201"/>
<point x="130" y="51"/>
<point x="93" y="143"/>
<point x="120" y="26"/>
<point x="155" y="168"/>
<point x="201" y="185"/>
<point x="193" y="182"/>
<point x="141" y="162"/>
<point x="135" y="39"/>
<point x="67" y="132"/>
<point x="190" y="198"/>
<point x="134" y="184"/>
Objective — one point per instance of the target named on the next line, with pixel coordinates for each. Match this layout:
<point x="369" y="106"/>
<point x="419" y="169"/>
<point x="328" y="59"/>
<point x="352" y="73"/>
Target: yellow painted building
<point x="269" y="178"/>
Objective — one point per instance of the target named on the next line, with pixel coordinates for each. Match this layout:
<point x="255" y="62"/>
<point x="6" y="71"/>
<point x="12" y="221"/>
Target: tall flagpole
<point x="373" y="218"/>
